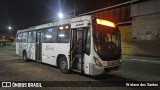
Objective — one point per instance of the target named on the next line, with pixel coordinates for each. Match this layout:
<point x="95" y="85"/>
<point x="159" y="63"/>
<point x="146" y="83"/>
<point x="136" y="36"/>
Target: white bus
<point x="84" y="44"/>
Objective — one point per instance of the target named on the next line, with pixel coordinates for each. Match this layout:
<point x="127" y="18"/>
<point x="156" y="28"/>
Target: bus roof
<point x="60" y="22"/>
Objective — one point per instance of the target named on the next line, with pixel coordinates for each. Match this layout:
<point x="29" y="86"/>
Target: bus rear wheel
<point x="25" y="56"/>
<point x="63" y="65"/>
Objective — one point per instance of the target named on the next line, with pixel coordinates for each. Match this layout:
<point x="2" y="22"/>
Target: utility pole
<point x="74" y="9"/>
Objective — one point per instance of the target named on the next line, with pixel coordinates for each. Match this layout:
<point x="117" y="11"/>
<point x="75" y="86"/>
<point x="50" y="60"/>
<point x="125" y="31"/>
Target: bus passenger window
<point x="24" y="37"/>
<point x="29" y="37"/>
<point x="63" y="36"/>
<point x="48" y="36"/>
<point x="32" y="36"/>
<point x="19" y="37"/>
<point x="54" y="35"/>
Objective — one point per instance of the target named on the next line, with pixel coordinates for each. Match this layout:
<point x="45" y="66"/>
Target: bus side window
<point x="24" y="37"/>
<point x="32" y="36"/>
<point x="29" y="37"/>
<point x="63" y="36"/>
<point x="54" y="34"/>
<point x="48" y="35"/>
<point x="19" y="37"/>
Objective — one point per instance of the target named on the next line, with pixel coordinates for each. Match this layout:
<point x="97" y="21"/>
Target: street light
<point x="60" y="15"/>
<point x="9" y="33"/>
<point x="9" y="27"/>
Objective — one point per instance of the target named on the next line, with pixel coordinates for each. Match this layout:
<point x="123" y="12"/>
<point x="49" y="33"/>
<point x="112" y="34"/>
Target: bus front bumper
<point x="96" y="70"/>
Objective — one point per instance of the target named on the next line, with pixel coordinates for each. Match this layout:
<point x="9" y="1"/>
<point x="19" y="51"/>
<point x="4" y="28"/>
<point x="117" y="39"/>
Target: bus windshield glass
<point x="107" y="42"/>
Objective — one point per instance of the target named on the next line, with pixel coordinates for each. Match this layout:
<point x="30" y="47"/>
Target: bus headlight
<point x="98" y="63"/>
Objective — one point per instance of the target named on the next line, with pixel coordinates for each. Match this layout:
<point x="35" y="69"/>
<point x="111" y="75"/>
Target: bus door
<point x="78" y="39"/>
<point x="38" y="46"/>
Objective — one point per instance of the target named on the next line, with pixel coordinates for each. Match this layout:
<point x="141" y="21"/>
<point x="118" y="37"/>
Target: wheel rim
<point x="63" y="64"/>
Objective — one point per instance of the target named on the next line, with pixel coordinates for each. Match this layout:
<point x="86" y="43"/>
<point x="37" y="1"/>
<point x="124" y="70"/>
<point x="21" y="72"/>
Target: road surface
<point x="13" y="68"/>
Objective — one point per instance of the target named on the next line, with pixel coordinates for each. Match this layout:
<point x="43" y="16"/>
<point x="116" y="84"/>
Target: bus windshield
<point x="107" y="42"/>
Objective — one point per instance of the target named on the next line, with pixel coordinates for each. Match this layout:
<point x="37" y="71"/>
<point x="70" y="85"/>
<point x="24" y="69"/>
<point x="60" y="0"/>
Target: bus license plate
<point x="113" y="63"/>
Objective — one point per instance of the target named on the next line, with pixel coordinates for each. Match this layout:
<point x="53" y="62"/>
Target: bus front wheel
<point x="63" y="65"/>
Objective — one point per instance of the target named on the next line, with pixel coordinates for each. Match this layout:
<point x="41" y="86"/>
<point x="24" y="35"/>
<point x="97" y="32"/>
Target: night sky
<point x="22" y="14"/>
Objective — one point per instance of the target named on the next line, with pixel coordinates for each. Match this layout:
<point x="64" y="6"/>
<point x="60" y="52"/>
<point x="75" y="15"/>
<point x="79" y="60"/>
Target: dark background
<point x="22" y="14"/>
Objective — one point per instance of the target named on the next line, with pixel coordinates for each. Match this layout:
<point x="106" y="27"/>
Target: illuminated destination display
<point x="105" y="22"/>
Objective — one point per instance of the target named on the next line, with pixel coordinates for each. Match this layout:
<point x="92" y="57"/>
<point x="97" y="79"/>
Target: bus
<point x="84" y="44"/>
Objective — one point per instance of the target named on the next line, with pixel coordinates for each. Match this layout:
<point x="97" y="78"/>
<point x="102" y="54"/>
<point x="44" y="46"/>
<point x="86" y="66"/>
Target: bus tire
<point x="63" y="65"/>
<point x="25" y="56"/>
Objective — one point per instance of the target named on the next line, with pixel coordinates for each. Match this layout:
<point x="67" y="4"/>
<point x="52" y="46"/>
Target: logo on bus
<point x="49" y="48"/>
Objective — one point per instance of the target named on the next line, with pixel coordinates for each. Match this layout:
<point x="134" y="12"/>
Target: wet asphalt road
<point x="13" y="68"/>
